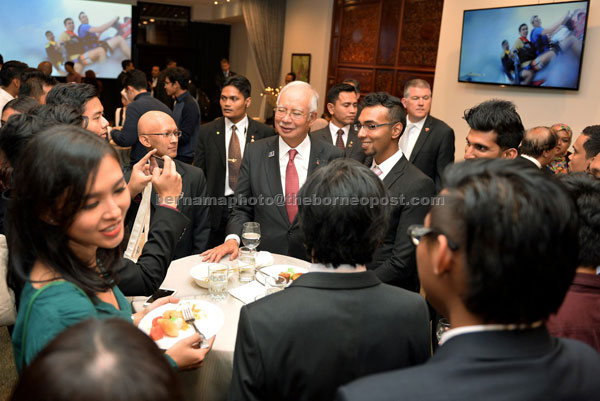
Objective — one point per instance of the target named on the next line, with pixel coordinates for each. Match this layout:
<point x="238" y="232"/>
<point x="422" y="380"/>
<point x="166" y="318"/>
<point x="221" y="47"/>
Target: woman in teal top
<point x="65" y="227"/>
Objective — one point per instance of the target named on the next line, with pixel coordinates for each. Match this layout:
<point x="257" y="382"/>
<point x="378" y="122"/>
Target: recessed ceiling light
<point x="145" y="22"/>
<point x="216" y="3"/>
<point x="152" y="20"/>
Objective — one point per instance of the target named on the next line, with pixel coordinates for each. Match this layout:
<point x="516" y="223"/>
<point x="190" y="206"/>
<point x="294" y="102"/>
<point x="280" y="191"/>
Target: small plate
<point x="209" y="321"/>
<point x="274" y="271"/>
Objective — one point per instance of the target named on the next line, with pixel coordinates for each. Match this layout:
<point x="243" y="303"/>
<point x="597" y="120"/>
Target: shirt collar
<point x="321" y="268"/>
<point x="241" y="125"/>
<point x="447" y="335"/>
<point x="334" y="128"/>
<point x="389" y="163"/>
<point x="533" y="160"/>
<point x="180" y="97"/>
<point x="418" y="124"/>
<point x="303" y="149"/>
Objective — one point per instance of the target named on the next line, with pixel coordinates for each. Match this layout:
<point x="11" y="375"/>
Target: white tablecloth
<point x="211" y="381"/>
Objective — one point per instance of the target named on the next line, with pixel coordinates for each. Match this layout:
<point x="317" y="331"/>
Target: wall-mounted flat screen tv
<point x="539" y="45"/>
<point x="94" y="35"/>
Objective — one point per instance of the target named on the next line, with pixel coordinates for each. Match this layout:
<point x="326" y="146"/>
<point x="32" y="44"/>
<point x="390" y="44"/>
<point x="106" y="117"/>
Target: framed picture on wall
<point x="301" y="66"/>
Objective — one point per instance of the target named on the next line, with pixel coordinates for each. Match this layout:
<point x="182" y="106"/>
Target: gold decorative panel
<point x="358" y="43"/>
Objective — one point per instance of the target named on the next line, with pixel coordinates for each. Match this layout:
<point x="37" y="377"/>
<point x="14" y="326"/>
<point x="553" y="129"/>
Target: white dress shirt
<point x="533" y="160"/>
<point x="486" y="327"/>
<point x="410" y="136"/>
<point x="5" y="97"/>
<point x="334" y="130"/>
<point x="300" y="161"/>
<point x="321" y="268"/>
<point x="242" y="128"/>
<point x="388" y="164"/>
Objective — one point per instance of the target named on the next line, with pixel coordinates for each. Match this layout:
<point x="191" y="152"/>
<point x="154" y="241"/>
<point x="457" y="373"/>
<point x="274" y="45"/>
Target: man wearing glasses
<point x="157" y="130"/>
<point x="381" y="124"/>
<point x="186" y="111"/>
<point x="141" y="102"/>
<point x="273" y="170"/>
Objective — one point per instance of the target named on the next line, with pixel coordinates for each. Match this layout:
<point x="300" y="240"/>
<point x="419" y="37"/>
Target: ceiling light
<point x="152" y="20"/>
<point x="145" y="22"/>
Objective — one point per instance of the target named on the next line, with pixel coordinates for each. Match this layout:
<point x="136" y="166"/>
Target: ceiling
<point x="192" y="2"/>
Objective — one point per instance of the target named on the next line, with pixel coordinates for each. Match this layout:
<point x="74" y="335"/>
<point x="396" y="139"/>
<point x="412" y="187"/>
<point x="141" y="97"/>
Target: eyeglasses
<point x="167" y="134"/>
<point x="294" y="114"/>
<point x="371" y="126"/>
<point x="416" y="232"/>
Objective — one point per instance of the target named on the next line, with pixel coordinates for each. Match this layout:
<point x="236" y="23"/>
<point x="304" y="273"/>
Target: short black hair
<point x="47" y="32"/>
<point x="33" y="81"/>
<point x="11" y="70"/>
<point x="75" y="95"/>
<point x="521" y="26"/>
<point x="21" y="105"/>
<point x="241" y="83"/>
<point x="499" y="116"/>
<point x="395" y="108"/>
<point x="125" y="63"/>
<point x="293" y="74"/>
<point x="504" y="42"/>
<point x="55" y="114"/>
<point x="70" y="63"/>
<point x="67" y="19"/>
<point x="16" y="133"/>
<point x="334" y="92"/>
<point x="136" y="79"/>
<point x="517" y="229"/>
<point x="585" y="189"/>
<point x="357" y="229"/>
<point x="535" y="145"/>
<point x="354" y="83"/>
<point x="592" y="145"/>
<point x="178" y="74"/>
<point x="81" y="12"/>
<point x="98" y="358"/>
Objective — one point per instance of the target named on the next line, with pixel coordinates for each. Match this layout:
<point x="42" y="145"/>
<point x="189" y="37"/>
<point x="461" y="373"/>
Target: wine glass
<point x="251" y="235"/>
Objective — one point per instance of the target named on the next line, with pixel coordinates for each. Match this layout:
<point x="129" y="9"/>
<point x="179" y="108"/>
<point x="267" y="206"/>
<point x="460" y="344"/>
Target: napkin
<point x="247" y="293"/>
<point x="264" y="258"/>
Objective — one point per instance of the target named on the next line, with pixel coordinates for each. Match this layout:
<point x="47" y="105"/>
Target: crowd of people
<point x="399" y="236"/>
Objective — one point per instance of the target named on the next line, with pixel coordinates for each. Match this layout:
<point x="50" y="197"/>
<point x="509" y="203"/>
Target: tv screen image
<point x="537" y="46"/>
<point x="93" y="35"/>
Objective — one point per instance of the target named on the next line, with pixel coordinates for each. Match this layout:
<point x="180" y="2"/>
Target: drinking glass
<point x="251" y="234"/>
<point x="217" y="281"/>
<point x="246" y="264"/>
<point x="274" y="284"/>
<point x="442" y="326"/>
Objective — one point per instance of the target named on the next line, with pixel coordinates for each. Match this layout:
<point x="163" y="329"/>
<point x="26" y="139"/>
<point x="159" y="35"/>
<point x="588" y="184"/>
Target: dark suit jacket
<point x="326" y="329"/>
<point x="492" y="366"/>
<point x="211" y="157"/>
<point x="166" y="228"/>
<point x="394" y="259"/>
<point x="260" y="179"/>
<point x="353" y="145"/>
<point x="195" y="238"/>
<point x="434" y="149"/>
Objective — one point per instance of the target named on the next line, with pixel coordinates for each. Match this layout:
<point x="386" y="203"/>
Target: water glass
<point x="251" y="234"/>
<point x="217" y="281"/>
<point x="246" y="264"/>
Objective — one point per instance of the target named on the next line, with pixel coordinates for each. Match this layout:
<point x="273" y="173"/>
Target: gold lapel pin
<point x="218" y="133"/>
<point x="252" y="138"/>
<point x="350" y="144"/>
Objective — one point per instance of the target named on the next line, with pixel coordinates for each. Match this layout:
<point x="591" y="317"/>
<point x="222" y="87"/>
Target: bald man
<point x="539" y="146"/>
<point x="157" y="130"/>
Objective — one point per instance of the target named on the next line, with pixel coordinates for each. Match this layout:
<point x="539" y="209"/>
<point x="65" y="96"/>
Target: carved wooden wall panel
<point x="384" y="43"/>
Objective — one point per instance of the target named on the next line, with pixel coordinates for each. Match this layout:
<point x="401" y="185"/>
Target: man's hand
<point x="167" y="183"/>
<point x="140" y="175"/>
<point x="216" y="254"/>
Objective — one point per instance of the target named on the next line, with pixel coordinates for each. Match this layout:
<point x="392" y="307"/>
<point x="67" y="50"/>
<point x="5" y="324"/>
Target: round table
<point x="211" y="380"/>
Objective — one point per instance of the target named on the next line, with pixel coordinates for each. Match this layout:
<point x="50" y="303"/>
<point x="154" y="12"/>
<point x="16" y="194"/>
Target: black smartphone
<point x="160" y="293"/>
<point x="159" y="161"/>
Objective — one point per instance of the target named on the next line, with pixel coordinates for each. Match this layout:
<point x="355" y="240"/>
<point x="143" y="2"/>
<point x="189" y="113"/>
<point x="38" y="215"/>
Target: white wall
<point x="308" y="30"/>
<point x="536" y="106"/>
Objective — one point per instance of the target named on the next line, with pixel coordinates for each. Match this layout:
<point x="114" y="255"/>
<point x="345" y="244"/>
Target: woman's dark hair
<point x="56" y="169"/>
<point x="518" y="231"/>
<point x="99" y="360"/>
<point x="344" y="219"/>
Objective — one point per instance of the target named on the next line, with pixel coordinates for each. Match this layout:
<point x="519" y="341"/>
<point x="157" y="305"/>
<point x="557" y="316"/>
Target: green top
<point x="58" y="307"/>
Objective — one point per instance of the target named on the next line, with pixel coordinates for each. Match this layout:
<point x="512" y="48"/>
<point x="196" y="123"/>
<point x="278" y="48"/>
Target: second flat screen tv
<point x="536" y="46"/>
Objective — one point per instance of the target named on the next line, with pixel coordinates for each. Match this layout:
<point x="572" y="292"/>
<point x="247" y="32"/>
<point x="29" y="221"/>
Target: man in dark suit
<point x="186" y="112"/>
<point x="157" y="130"/>
<point x="216" y="151"/>
<point x="272" y="172"/>
<point x="428" y="143"/>
<point x="342" y="103"/>
<point x="538" y="147"/>
<point x="339" y="321"/>
<point x="141" y="102"/>
<point x="382" y="122"/>
<point x="497" y="259"/>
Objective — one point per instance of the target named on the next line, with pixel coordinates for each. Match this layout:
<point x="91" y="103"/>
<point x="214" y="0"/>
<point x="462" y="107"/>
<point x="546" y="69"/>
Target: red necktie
<point x="340" y="139"/>
<point x="235" y="158"/>
<point x="291" y="186"/>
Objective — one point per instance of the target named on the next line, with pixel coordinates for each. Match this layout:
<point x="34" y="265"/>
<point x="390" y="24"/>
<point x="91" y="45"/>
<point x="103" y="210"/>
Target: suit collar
<point x="218" y="137"/>
<point x="337" y="281"/>
<point x="271" y="171"/>
<point x="502" y="344"/>
<point x="396" y="172"/>
<point x="423" y="135"/>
